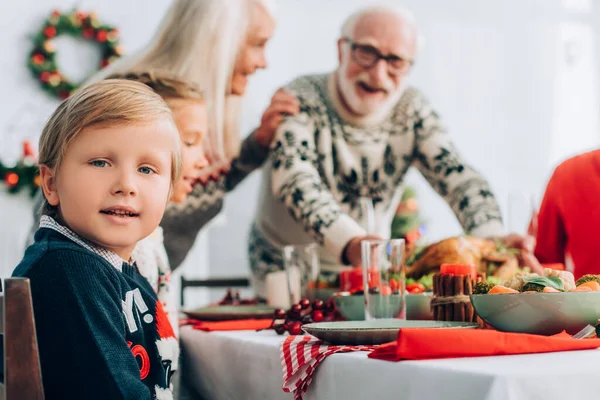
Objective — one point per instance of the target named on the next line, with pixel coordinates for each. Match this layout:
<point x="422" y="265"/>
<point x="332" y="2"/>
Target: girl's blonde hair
<point x="106" y="103"/>
<point x="165" y="85"/>
<point x="199" y="41"/>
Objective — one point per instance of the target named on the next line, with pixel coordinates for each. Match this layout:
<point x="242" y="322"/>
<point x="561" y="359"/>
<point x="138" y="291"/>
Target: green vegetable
<point x="482" y="287"/>
<point x="427" y="280"/>
<point x="532" y="287"/>
<point x="494" y="280"/>
<point x="588" y="278"/>
<point x="552" y="282"/>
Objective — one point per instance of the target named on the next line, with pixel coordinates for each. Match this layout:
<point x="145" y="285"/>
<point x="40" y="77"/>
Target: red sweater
<point x="569" y="217"/>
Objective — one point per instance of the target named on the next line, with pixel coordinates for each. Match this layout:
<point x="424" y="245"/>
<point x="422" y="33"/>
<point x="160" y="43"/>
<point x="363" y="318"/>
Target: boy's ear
<point x="48" y="184"/>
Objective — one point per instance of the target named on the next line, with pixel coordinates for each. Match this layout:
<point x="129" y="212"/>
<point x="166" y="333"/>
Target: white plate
<point x="372" y="332"/>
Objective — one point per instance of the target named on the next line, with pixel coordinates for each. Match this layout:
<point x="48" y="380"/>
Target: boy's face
<point x="113" y="184"/>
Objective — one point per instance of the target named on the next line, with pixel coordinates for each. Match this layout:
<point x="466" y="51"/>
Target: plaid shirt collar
<point x="113" y="258"/>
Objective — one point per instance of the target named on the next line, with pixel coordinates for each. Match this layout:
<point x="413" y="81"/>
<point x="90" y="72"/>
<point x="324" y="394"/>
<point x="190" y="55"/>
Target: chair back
<point x="22" y="379"/>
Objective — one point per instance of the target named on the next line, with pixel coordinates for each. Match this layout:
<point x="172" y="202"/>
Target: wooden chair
<point x="236" y="282"/>
<point x="22" y="378"/>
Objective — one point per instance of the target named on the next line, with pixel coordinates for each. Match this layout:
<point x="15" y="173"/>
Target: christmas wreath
<point x="24" y="175"/>
<point x="42" y="59"/>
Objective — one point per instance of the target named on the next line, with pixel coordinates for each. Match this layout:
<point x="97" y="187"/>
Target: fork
<point x="585" y="332"/>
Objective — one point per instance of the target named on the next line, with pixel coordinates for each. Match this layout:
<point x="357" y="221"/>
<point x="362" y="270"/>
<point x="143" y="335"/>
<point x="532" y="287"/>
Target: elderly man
<point x="358" y="131"/>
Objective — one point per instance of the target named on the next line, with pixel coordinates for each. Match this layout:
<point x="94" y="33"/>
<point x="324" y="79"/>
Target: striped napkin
<point x="300" y="356"/>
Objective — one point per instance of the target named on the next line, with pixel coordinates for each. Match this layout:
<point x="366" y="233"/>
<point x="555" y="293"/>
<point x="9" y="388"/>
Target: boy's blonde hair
<point x="106" y="103"/>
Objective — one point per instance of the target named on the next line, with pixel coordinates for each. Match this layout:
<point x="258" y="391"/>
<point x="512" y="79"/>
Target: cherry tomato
<point x="414" y="288"/>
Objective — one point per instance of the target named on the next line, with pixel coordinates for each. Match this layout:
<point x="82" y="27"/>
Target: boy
<point x="109" y="157"/>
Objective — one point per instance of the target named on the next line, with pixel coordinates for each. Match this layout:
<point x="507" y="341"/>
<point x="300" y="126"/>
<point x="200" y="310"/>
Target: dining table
<point x="247" y="365"/>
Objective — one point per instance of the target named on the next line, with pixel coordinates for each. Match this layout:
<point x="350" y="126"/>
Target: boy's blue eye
<point x="98" y="163"/>
<point x="146" y="170"/>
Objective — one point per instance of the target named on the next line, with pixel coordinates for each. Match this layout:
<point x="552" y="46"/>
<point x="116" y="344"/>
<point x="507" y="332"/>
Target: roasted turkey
<point x="489" y="256"/>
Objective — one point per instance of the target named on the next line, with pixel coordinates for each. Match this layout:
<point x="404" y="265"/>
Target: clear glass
<point x="384" y="278"/>
<point x="522" y="213"/>
<point x="302" y="267"/>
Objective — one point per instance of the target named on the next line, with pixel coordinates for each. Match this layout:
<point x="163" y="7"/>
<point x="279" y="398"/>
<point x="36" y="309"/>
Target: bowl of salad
<point x="539" y="304"/>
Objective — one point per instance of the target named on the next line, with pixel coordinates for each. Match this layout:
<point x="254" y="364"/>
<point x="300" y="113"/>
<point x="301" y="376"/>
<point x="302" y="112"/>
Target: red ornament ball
<point x="88" y="33"/>
<point x="50" y="31"/>
<point x="101" y="36"/>
<point x="45" y="76"/>
<point x="11" y="179"/>
<point x="38" y="59"/>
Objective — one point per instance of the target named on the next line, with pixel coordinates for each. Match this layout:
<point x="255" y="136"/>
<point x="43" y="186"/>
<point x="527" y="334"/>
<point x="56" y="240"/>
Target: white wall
<point x="514" y="80"/>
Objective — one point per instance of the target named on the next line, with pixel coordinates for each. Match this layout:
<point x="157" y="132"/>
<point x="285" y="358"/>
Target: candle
<point x="459" y="269"/>
<point x="277" y="288"/>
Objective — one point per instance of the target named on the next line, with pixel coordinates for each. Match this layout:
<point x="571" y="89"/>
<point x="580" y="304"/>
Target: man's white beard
<point x="366" y="107"/>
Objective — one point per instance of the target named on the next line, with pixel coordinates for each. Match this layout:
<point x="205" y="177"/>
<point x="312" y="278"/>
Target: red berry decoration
<point x="280" y="329"/>
<point x="296" y="308"/>
<point x="295" y="328"/>
<point x="304" y="312"/>
<point x="317" y="304"/>
<point x="317" y="316"/>
<point x="330" y="307"/>
<point x="304" y="303"/>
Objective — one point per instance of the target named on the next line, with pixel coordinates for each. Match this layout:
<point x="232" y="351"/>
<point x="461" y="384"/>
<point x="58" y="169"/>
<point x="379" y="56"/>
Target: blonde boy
<point x="108" y="159"/>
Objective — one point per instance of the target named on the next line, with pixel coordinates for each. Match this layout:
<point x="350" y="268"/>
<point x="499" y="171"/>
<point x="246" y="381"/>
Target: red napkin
<point x="235" y="325"/>
<point x="422" y="344"/>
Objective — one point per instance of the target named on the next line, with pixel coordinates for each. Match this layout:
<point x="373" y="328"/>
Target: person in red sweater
<point x="568" y="223"/>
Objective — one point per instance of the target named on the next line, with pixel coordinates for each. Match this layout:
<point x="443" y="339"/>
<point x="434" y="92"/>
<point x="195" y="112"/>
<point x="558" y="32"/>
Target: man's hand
<point x="526" y="244"/>
<point x="282" y="104"/>
<point x="353" y="253"/>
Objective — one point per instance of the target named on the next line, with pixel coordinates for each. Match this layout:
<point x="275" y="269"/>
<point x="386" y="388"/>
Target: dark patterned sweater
<point x="322" y="162"/>
<point x="101" y="332"/>
<point x="182" y="222"/>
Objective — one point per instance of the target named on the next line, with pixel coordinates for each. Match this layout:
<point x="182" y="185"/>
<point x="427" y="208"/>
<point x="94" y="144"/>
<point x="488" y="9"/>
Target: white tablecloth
<point x="245" y="365"/>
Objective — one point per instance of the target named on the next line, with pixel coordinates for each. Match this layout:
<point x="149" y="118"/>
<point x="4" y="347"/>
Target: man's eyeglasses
<point x="368" y="56"/>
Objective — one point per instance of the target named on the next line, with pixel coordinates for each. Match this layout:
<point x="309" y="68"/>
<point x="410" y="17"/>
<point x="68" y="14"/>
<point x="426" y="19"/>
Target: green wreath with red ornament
<point x="42" y="58"/>
<point x="24" y="175"/>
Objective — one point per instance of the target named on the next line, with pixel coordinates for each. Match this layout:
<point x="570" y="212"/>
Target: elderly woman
<point x="215" y="45"/>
